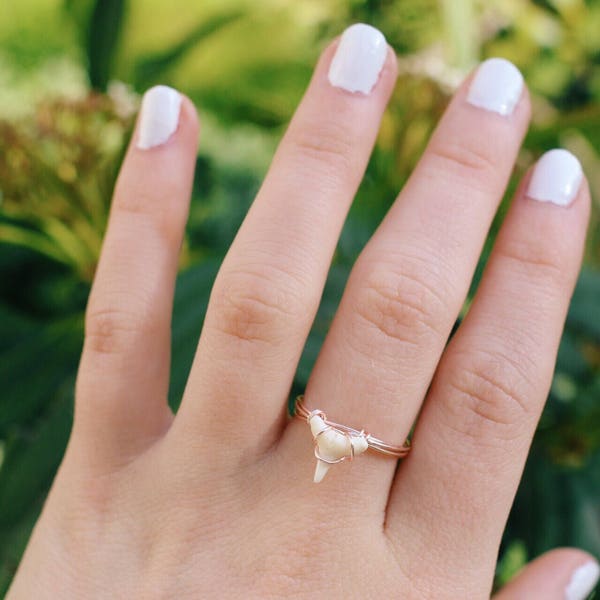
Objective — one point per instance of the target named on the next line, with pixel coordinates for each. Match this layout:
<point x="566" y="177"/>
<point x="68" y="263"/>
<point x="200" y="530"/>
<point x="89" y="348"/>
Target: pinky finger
<point x="121" y="404"/>
<point x="563" y="574"/>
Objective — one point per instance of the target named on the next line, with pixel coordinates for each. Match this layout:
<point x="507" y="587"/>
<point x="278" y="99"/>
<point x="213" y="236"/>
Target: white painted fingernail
<point x="556" y="178"/>
<point x="496" y="86"/>
<point x="583" y="581"/>
<point x="359" y="58"/>
<point x="159" y="116"/>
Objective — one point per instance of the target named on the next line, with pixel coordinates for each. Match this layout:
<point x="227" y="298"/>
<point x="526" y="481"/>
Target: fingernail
<point x="497" y="86"/>
<point x="159" y="116"/>
<point x="359" y="58"/>
<point x="556" y="178"/>
<point x="583" y="581"/>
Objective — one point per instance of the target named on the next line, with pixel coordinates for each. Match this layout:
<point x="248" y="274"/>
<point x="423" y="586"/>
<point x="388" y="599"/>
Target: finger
<point x="563" y="574"/>
<point x="269" y="286"/>
<point x="472" y="438"/>
<point x="409" y="284"/>
<point x="123" y="377"/>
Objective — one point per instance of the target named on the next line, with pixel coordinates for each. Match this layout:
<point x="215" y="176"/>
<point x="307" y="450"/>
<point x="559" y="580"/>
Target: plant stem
<point x="460" y="33"/>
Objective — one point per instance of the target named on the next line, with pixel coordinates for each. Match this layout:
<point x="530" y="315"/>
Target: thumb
<point x="562" y="574"/>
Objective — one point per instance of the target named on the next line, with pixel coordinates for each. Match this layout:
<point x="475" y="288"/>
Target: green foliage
<point x="245" y="65"/>
<point x="103" y="35"/>
<point x="71" y="149"/>
<point x="513" y="560"/>
<point x="155" y="66"/>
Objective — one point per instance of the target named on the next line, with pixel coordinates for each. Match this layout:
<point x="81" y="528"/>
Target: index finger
<point x="473" y="436"/>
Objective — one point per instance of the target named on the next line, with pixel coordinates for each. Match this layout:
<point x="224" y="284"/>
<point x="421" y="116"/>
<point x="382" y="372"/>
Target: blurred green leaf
<point x="332" y="293"/>
<point x="34" y="368"/>
<point x="103" y="34"/>
<point x="191" y="299"/>
<point x="14" y="540"/>
<point x="150" y="69"/>
<point x="31" y="458"/>
<point x="512" y="561"/>
<point x="13" y="327"/>
<point x="556" y="506"/>
<point x="571" y="359"/>
<point x="584" y="313"/>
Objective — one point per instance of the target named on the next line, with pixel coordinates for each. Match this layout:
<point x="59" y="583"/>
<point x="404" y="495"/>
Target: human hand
<point x="219" y="501"/>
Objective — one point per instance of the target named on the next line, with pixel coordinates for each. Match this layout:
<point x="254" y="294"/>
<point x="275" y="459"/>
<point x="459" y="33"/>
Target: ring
<point x="335" y="443"/>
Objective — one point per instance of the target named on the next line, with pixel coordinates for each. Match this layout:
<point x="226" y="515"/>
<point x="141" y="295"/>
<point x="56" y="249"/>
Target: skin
<point x="218" y="501"/>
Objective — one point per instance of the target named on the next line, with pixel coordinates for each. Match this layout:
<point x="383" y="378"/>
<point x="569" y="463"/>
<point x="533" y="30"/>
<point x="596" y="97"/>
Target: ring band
<point x="335" y="443"/>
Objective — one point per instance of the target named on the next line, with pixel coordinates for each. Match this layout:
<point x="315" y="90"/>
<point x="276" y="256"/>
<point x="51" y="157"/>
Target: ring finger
<point x="268" y="289"/>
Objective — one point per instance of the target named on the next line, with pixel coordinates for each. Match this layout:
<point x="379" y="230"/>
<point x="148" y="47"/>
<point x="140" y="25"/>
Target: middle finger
<point x="409" y="283"/>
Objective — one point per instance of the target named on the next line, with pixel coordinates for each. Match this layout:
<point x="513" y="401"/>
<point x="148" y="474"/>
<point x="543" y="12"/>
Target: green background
<point x="71" y="75"/>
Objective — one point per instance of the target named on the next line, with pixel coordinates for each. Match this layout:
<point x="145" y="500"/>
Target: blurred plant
<point x="103" y="33"/>
<point x="57" y="176"/>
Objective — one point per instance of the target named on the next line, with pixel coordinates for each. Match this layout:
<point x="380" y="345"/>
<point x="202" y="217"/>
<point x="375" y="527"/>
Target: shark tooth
<point x="333" y="444"/>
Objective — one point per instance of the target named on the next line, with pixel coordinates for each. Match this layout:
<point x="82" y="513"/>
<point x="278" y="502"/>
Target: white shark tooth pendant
<point x="333" y="445"/>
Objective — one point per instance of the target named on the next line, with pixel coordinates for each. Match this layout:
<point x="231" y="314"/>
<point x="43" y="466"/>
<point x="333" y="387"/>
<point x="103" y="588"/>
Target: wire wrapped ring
<point x="350" y="440"/>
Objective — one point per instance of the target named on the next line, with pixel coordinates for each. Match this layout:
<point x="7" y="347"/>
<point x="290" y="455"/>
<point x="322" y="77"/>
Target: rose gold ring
<point x="335" y="443"/>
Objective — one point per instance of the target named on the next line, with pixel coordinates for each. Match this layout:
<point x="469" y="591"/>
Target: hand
<point x="219" y="500"/>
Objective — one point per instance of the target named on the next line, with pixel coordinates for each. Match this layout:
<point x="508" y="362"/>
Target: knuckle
<point x="490" y="399"/>
<point x="326" y="146"/>
<point x="257" y="306"/>
<point x="141" y="208"/>
<point x="539" y="262"/>
<point x="401" y="306"/>
<point x="466" y="160"/>
<point x="112" y="329"/>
